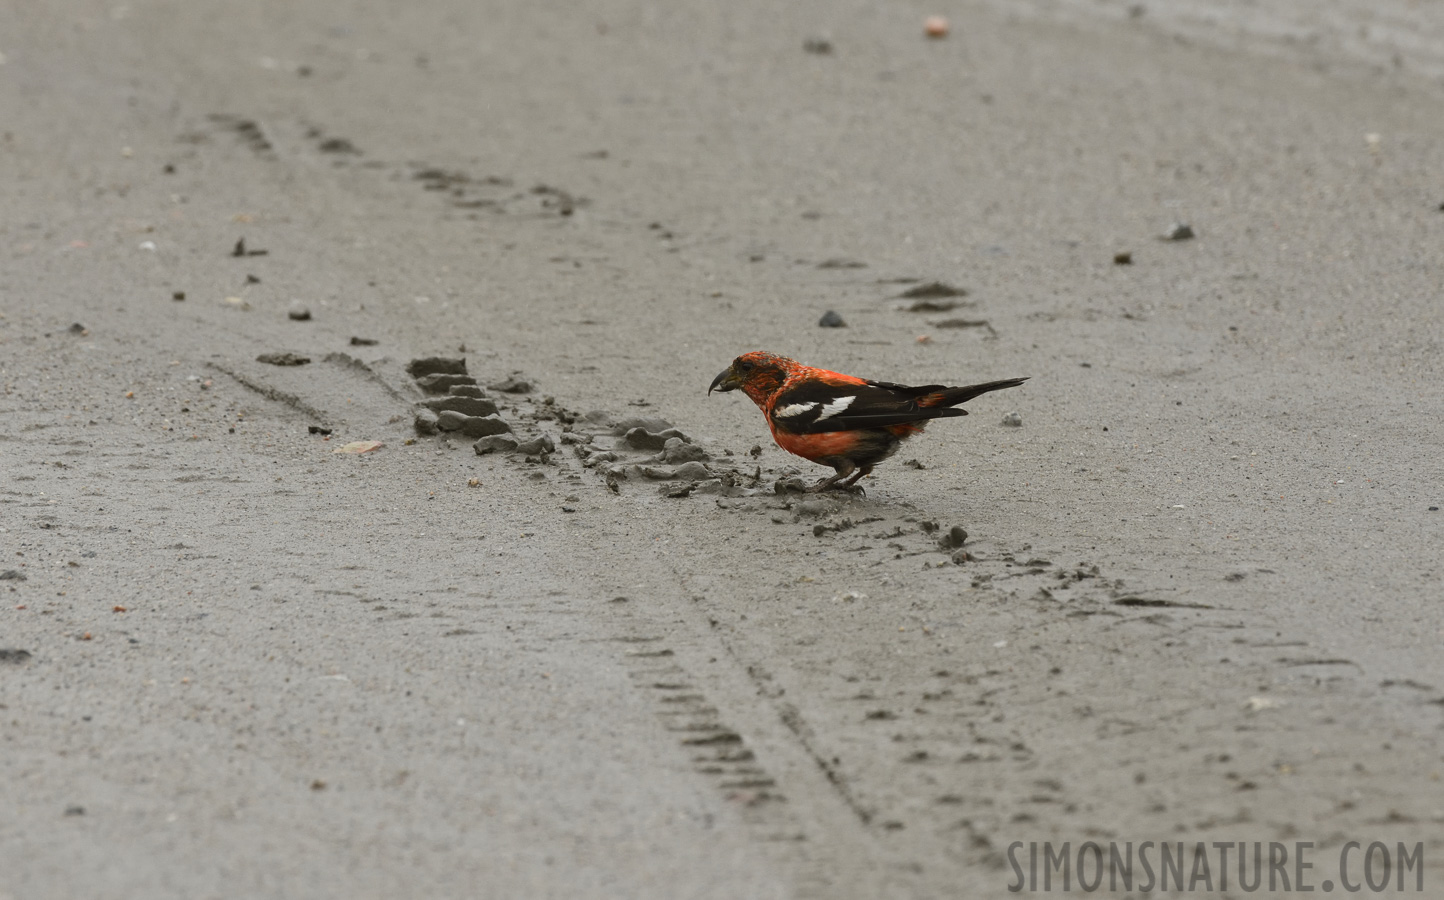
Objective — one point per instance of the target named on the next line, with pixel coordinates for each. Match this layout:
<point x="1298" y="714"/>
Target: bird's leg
<point x="844" y="469"/>
<point x="860" y="473"/>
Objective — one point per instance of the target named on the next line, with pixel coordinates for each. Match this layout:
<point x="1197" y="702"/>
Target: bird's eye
<point x="746" y="365"/>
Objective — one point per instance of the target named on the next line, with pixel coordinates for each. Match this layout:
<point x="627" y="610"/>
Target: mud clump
<point x="467" y="406"/>
<point x="471" y="426"/>
<point x="436" y="365"/>
<point x="640" y="438"/>
<point x="439" y="383"/>
<point x="495" y="443"/>
<point x="283" y="359"/>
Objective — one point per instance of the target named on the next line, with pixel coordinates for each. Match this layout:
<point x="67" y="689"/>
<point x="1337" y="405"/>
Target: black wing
<point x="815" y="407"/>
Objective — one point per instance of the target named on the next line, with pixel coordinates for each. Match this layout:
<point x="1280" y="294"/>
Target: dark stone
<point x="363" y="342"/>
<point x="14" y="655"/>
<point x="831" y="319"/>
<point x="299" y="315"/>
<point x="12" y="575"/>
<point x="462" y="390"/>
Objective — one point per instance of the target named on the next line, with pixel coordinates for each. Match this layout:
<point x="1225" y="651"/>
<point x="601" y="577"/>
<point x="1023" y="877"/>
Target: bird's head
<point x="759" y="374"/>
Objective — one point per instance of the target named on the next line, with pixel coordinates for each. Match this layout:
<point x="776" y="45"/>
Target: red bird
<point x="849" y="423"/>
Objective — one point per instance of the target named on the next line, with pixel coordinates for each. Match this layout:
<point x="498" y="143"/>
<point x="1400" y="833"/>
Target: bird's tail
<point x="954" y="395"/>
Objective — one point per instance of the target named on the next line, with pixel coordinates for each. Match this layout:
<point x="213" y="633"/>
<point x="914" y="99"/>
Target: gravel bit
<point x="363" y="342"/>
<point x="299" y="315"/>
<point x="1013" y="420"/>
<point x="463" y="390"/>
<point x="13" y="655"/>
<point x="820" y="47"/>
<point x="12" y="575"/>
<point x="1123" y="258"/>
<point x="831" y="319"/>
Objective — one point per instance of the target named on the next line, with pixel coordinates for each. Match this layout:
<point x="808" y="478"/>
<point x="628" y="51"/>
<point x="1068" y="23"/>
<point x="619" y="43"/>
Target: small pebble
<point x="1124" y="258"/>
<point x="831" y="319"/>
<point x="361" y="341"/>
<point x="818" y="46"/>
<point x="935" y="27"/>
<point x="178" y="295"/>
<point x="1013" y="420"/>
<point x="299" y="315"/>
